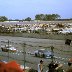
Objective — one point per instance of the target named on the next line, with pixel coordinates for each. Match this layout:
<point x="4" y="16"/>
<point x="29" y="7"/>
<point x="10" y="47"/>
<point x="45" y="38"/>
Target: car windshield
<point x="47" y="52"/>
<point x="44" y="51"/>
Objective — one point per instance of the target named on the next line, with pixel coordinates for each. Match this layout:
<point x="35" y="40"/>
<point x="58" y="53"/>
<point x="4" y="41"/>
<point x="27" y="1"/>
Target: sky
<point x="21" y="9"/>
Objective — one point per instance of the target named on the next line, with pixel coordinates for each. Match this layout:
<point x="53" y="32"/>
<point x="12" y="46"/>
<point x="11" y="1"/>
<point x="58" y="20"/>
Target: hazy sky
<point x="20" y="9"/>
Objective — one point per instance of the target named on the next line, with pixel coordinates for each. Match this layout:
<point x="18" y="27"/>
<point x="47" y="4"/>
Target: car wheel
<point x="35" y="54"/>
<point x="43" y="55"/>
<point x="2" y="49"/>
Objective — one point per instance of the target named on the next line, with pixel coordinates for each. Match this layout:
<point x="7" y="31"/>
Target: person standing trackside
<point x="40" y="66"/>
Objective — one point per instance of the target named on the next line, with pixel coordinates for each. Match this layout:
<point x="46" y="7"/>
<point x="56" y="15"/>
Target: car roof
<point x="43" y="50"/>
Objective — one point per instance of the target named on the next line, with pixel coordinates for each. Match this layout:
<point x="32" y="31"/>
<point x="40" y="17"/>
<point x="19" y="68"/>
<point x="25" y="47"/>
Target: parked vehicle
<point x="43" y="53"/>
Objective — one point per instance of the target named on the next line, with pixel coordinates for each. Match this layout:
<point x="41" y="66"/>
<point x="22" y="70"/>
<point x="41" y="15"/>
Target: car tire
<point x="43" y="55"/>
<point x="2" y="49"/>
<point x="35" y="54"/>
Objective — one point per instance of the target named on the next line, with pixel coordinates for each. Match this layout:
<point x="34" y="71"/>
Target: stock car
<point x="43" y="53"/>
<point x="7" y="48"/>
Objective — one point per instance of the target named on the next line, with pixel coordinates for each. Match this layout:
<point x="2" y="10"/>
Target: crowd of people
<point x="52" y="67"/>
<point x="55" y="67"/>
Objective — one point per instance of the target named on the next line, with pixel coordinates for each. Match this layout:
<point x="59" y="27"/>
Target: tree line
<point x="3" y="18"/>
<point x="41" y="17"/>
<point x="47" y="17"/>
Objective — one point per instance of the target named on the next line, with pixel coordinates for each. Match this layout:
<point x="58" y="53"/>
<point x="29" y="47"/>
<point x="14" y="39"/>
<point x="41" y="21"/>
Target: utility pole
<point x="51" y="65"/>
<point x="8" y="50"/>
<point x="52" y="53"/>
<point x="24" y="53"/>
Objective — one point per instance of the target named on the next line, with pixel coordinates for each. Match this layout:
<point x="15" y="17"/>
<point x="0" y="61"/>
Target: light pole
<point x="52" y="53"/>
<point x="24" y="53"/>
<point x="8" y="50"/>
